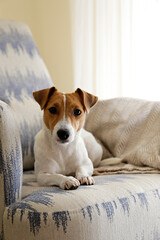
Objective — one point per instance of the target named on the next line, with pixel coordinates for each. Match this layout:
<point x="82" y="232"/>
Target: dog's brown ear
<point x="88" y="99"/>
<point x="42" y="96"/>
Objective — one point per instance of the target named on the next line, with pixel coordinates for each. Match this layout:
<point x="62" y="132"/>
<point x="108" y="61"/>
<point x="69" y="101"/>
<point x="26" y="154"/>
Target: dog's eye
<point x="52" y="110"/>
<point x="77" y="112"/>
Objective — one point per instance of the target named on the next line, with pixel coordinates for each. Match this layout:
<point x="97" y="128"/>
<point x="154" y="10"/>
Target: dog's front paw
<point x="86" y="180"/>
<point x="71" y="183"/>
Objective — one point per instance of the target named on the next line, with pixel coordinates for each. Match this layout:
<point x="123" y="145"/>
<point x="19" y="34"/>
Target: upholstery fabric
<point x="117" y="207"/>
<point x="30" y="184"/>
<point x="10" y="160"/>
<point x="22" y="71"/>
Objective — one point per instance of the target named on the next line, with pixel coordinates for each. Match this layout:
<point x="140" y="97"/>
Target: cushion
<point x="116" y="203"/>
<point x="22" y="71"/>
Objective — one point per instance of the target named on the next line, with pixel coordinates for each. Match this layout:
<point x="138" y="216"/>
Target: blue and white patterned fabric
<point x="10" y="160"/>
<point x="22" y="71"/>
<point x="117" y="207"/>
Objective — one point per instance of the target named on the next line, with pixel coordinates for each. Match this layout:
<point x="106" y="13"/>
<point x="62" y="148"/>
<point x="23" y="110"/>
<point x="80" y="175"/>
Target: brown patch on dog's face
<point x="75" y="112"/>
<point x="50" y="116"/>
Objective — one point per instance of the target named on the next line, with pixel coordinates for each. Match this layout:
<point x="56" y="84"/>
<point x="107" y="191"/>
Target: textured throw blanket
<point x="129" y="129"/>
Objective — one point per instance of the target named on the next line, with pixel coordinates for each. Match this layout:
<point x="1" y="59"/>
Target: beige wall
<point x="49" y="21"/>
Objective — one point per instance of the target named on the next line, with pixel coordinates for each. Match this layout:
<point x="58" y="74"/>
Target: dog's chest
<point x="67" y="159"/>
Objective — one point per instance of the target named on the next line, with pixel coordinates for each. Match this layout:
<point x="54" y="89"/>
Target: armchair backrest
<point x="22" y="71"/>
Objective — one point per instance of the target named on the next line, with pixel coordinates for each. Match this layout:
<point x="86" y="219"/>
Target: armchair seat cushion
<point x="117" y="205"/>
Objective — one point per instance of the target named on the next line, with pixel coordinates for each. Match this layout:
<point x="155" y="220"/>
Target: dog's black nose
<point x="63" y="134"/>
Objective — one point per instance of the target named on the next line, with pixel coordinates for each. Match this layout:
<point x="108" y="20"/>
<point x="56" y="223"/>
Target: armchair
<point x="117" y="207"/>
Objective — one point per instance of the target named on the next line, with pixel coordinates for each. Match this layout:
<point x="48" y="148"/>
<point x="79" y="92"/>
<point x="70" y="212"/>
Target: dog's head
<point x="64" y="114"/>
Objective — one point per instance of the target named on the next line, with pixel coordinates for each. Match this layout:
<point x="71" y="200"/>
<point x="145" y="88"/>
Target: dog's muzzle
<point x="63" y="134"/>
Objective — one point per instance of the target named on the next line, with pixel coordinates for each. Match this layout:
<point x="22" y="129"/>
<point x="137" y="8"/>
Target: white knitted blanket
<point x="129" y="129"/>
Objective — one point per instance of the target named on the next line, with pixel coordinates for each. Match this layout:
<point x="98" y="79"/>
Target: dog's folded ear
<point x="42" y="96"/>
<point x="88" y="100"/>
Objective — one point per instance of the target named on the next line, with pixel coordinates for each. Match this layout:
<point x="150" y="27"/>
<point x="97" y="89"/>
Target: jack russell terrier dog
<point x="65" y="153"/>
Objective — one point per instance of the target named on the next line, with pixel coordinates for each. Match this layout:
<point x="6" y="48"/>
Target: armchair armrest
<point x="10" y="160"/>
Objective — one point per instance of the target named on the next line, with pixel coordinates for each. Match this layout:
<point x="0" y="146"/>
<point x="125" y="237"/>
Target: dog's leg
<point x="64" y="182"/>
<point x="83" y="174"/>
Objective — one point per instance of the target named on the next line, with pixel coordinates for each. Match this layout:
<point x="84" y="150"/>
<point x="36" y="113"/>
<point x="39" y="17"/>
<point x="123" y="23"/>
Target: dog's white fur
<point x="68" y="164"/>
